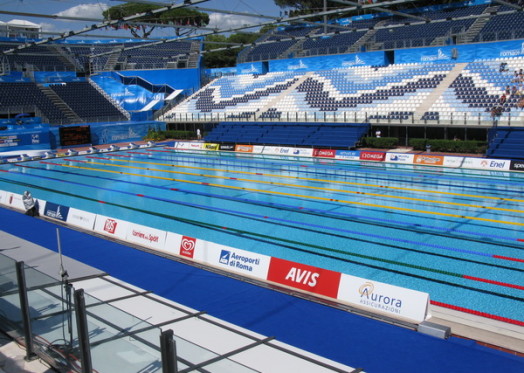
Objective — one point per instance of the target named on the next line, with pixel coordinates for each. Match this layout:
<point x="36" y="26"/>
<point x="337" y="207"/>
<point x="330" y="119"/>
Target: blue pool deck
<point x="309" y="336"/>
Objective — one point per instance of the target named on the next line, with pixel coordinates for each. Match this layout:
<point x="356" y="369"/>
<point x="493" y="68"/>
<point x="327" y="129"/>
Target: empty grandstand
<point x="378" y="82"/>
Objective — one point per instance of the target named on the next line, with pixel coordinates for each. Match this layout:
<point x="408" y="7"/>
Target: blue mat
<point x="349" y="339"/>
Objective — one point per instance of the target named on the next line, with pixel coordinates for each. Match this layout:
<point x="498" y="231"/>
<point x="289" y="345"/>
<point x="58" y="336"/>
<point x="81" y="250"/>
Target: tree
<point x="227" y="57"/>
<point x="180" y="17"/>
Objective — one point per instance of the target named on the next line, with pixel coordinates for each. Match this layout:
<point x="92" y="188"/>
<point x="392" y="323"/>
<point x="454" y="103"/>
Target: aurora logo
<point x="369" y="297"/>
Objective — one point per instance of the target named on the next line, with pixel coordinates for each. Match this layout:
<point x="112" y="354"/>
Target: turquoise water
<point x="450" y="232"/>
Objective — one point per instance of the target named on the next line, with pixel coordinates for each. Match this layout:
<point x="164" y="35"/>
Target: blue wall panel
<point x="329" y="62"/>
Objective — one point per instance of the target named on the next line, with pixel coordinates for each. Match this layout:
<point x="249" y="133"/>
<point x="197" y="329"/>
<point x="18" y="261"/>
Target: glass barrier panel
<point x="189" y="354"/>
<point x="119" y="341"/>
<point x="10" y="317"/>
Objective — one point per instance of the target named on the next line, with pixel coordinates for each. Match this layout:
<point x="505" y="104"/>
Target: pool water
<point x="456" y="234"/>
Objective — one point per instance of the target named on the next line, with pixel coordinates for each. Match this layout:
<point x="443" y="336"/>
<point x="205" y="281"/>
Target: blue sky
<point x="93" y="9"/>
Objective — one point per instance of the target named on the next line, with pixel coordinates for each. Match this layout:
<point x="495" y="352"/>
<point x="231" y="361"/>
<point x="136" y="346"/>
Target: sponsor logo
<point x="370" y="298"/>
<point x="300" y="65"/>
<point x="56" y="211"/>
<point x="372" y="156"/>
<point x="429" y="159"/>
<point x="348" y="154"/>
<point x="252" y="69"/>
<point x="519" y="166"/>
<point x="304" y="277"/>
<point x="211" y="146"/>
<point x="439" y="56"/>
<point x="326" y="153"/>
<point x="244" y="148"/>
<point x="355" y="62"/>
<point x="110" y="226"/>
<point x="237" y="261"/>
<point x="187" y="247"/>
<point x="513" y="52"/>
<point x="228" y="147"/>
<point x="35" y="139"/>
<point x="145" y="236"/>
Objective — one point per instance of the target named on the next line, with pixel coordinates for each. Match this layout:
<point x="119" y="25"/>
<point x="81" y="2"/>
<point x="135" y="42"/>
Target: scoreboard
<point x="75" y="135"/>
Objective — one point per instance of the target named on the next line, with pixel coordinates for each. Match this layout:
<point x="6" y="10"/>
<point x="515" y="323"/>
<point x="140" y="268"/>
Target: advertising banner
<point x="328" y="62"/>
<point x="430" y="160"/>
<point x="227" y="258"/>
<point x="188" y="145"/>
<point x="400" y="158"/>
<point x="111" y="227"/>
<point x="372" y="156"/>
<point x="82" y="219"/>
<point x="379" y="297"/>
<point x="210" y="146"/>
<point x="14" y="200"/>
<point x="324" y="153"/>
<point x="3" y="197"/>
<point x="244" y="148"/>
<point x="146" y="236"/>
<point x="515" y="166"/>
<point x="235" y="260"/>
<point x="55" y="211"/>
<point x="227" y="147"/>
<point x="486" y="164"/>
<point x="286" y="150"/>
<point x="304" y="277"/>
<point x="352" y="155"/>
<point x="451" y="161"/>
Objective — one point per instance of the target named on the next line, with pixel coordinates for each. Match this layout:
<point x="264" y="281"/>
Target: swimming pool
<point x="453" y="233"/>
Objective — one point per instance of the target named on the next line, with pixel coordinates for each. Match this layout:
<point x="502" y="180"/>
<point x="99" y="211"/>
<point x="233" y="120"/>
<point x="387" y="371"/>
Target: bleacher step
<point x="437" y="92"/>
<point x="282" y="94"/>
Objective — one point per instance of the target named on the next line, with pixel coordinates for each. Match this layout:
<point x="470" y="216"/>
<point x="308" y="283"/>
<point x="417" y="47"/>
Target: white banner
<point x="3" y="197"/>
<point x="487" y="164"/>
<point x="452" y="161"/>
<point x="188" y="145"/>
<point x="146" y="236"/>
<point x="379" y="297"/>
<point x="82" y="219"/>
<point x="399" y="158"/>
<point x="111" y="227"/>
<point x="14" y="200"/>
<point x="227" y="258"/>
<point x="286" y="150"/>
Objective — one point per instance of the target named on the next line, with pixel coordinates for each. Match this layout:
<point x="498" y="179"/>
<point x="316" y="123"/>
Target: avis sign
<point x="304" y="277"/>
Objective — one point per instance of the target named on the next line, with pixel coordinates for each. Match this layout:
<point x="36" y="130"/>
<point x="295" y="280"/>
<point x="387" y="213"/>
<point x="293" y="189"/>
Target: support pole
<point x="24" y="309"/>
<point x="83" y="331"/>
<point x="168" y="352"/>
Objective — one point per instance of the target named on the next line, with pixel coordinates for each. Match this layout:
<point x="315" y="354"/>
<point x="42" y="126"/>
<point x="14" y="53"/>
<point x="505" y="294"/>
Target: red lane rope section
<point x="478" y="313"/>
<point x="493" y="282"/>
<point x="508" y="258"/>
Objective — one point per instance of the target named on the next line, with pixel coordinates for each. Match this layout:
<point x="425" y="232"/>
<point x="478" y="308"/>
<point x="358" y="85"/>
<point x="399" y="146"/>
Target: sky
<point x="94" y="8"/>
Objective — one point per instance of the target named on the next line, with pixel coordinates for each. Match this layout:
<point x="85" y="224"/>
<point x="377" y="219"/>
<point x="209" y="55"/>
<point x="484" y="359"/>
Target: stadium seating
<point x="27" y="97"/>
<point x="506" y="143"/>
<point x="87" y="102"/>
<point x="342" y="136"/>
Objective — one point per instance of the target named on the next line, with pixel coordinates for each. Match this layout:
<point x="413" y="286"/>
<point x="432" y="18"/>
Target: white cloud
<point x="85" y="11"/>
<point x="227" y="21"/>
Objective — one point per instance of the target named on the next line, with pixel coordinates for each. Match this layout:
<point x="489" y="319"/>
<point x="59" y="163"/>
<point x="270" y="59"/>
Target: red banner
<point x="304" y="277"/>
<point x="372" y="156"/>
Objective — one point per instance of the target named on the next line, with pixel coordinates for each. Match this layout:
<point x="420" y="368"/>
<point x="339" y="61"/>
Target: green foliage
<point x="450" y="146"/>
<point x="225" y="58"/>
<point x="159" y="135"/>
<point x="380" y="142"/>
<point x="179" y="16"/>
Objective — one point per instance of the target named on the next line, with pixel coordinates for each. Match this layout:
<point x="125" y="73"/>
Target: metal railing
<point x="75" y="332"/>
<point x="454" y="119"/>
